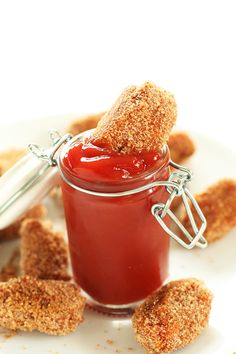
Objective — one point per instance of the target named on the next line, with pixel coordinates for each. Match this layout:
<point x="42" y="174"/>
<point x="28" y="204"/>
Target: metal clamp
<point x="49" y="154"/>
<point x="160" y="210"/>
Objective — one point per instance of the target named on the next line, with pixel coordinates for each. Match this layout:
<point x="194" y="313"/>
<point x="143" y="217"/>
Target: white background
<point x="62" y="57"/>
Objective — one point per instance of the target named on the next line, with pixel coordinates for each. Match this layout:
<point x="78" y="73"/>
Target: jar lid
<point x="28" y="181"/>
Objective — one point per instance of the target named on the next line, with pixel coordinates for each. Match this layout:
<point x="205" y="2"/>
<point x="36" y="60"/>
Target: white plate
<point x="216" y="266"/>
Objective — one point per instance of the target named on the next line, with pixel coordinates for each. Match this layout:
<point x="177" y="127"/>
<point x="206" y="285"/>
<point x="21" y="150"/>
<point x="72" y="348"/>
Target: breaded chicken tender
<point x="12" y="231"/>
<point x="173" y="316"/>
<point x="44" y="253"/>
<point x="9" y="157"/>
<point x="11" y="268"/>
<point x="56" y="195"/>
<point x="181" y="146"/>
<point x="141" y="119"/>
<point x="49" y="306"/>
<point x="218" y="204"/>
<point x="85" y="123"/>
<point x="176" y="203"/>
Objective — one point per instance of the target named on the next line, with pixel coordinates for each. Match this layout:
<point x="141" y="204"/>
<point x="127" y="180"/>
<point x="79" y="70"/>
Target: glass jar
<point x="119" y="253"/>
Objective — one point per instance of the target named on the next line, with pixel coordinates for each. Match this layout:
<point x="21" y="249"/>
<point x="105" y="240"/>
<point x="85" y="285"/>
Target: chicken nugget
<point x="85" y="123"/>
<point x="218" y="204"/>
<point x="49" y="306"/>
<point x="140" y="120"/>
<point x="181" y="146"/>
<point x="9" y="157"/>
<point x="56" y="195"/>
<point x="11" y="232"/>
<point x="44" y="253"/>
<point x="173" y="316"/>
<point x="11" y="268"/>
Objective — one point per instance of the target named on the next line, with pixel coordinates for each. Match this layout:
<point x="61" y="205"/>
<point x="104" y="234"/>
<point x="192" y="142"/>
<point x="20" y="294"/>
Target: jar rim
<point x="121" y="185"/>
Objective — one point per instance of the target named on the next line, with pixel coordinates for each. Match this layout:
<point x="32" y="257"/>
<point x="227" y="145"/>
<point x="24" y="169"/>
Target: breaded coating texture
<point x="56" y="195"/>
<point x="218" y="204"/>
<point x="11" y="268"/>
<point x="9" y="157"/>
<point x="181" y="146"/>
<point x="140" y="120"/>
<point x="49" y="306"/>
<point x="12" y="231"/>
<point x="85" y="123"/>
<point x="176" y="203"/>
<point x="44" y="253"/>
<point x="173" y="316"/>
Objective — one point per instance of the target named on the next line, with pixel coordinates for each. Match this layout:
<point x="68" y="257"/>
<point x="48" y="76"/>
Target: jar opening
<point x="156" y="171"/>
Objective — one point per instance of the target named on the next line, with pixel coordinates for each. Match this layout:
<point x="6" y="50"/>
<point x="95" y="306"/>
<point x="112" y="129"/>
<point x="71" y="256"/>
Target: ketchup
<point x="119" y="252"/>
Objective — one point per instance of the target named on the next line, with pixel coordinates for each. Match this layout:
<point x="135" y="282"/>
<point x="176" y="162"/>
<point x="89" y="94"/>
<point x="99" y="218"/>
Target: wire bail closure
<point x="160" y="210"/>
<point x="176" y="186"/>
<point x="49" y="154"/>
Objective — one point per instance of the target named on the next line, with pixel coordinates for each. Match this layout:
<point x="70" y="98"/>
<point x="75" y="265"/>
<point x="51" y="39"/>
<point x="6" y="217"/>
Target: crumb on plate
<point x="110" y="341"/>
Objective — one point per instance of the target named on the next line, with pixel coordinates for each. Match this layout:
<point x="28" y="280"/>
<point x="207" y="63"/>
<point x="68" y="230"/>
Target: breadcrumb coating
<point x="173" y="316"/>
<point x="176" y="203"/>
<point x="218" y="204"/>
<point x="11" y="268"/>
<point x="56" y="195"/>
<point x="141" y="119"/>
<point x="44" y="253"/>
<point x="49" y="306"/>
<point x="181" y="146"/>
<point x="9" y="157"/>
<point x="13" y="231"/>
<point x="85" y="123"/>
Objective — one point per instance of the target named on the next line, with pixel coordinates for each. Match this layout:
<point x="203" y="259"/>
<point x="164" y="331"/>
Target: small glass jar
<point x="119" y="253"/>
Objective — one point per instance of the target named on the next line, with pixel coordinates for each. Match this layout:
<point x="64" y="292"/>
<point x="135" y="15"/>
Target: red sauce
<point x="97" y="163"/>
<point x="119" y="252"/>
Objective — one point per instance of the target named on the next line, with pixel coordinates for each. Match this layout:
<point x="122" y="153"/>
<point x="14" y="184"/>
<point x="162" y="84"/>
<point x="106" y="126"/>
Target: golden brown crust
<point x="11" y="268"/>
<point x="12" y="231"/>
<point x="141" y="119"/>
<point x="49" y="306"/>
<point x="85" y="123"/>
<point x="44" y="253"/>
<point x="173" y="316"/>
<point x="56" y="195"/>
<point x="218" y="204"/>
<point x="181" y="146"/>
<point x="176" y="203"/>
<point x="9" y="157"/>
